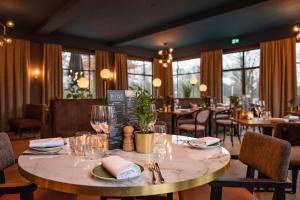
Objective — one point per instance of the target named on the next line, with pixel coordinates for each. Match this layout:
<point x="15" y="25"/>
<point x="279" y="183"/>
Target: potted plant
<point x="292" y="103"/>
<point x="146" y="116"/>
<point x="186" y="89"/>
<point x="234" y="104"/>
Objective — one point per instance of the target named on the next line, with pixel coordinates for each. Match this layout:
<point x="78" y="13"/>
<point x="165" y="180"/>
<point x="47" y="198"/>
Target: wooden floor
<point x="237" y="169"/>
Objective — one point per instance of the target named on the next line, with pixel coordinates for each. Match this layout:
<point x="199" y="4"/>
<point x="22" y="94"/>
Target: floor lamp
<point x="105" y="74"/>
<point x="156" y="84"/>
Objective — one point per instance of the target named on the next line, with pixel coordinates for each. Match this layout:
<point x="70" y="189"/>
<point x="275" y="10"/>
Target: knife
<point x="157" y="169"/>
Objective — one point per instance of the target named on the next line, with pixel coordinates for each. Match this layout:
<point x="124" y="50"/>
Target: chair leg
<point x="224" y="131"/>
<point x="217" y="129"/>
<point x="216" y="193"/>
<point x="238" y="133"/>
<point x="279" y="194"/>
<point x="231" y="135"/>
<point x="26" y="195"/>
<point x="294" y="180"/>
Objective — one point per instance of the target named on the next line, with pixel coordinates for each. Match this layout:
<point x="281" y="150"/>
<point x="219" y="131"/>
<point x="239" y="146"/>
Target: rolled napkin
<point x="46" y="143"/>
<point x="120" y="168"/>
<point x="204" y="142"/>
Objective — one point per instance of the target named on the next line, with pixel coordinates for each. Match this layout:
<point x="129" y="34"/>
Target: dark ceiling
<point x="149" y="23"/>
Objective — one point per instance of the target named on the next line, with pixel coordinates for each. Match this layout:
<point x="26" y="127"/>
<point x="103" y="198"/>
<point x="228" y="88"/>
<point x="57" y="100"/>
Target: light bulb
<point x="171" y="50"/>
<point x="156" y="82"/>
<point x="296" y="28"/>
<point x="160" y="52"/>
<point x="165" y="65"/>
<point x="160" y="61"/>
<point x="168" y="61"/>
<point x="8" y="40"/>
<point x="193" y="80"/>
<point x="105" y="73"/>
<point x="10" y="24"/>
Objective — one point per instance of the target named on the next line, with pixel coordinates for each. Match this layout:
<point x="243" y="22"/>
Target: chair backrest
<point x="6" y="152"/>
<point x="202" y="116"/>
<point x="268" y="155"/>
<point x="35" y="111"/>
<point x="161" y="123"/>
<point x="289" y="132"/>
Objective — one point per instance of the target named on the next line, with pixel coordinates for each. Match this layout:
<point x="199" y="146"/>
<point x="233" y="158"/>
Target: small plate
<point x="101" y="173"/>
<point x="48" y="149"/>
<point x="196" y="145"/>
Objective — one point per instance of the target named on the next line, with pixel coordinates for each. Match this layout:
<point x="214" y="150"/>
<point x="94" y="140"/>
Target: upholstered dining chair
<point x="222" y="119"/>
<point x="34" y="117"/>
<point x="200" y="123"/>
<point x="268" y="155"/>
<point x="24" y="188"/>
<point x="290" y="132"/>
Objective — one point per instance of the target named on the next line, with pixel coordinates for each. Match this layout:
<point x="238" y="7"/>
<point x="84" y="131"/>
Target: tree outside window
<point x="183" y="71"/>
<point x="241" y="74"/>
<point x="139" y="75"/>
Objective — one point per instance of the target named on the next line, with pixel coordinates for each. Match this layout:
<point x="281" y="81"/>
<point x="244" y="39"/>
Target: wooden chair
<point x="222" y="119"/>
<point x="290" y="132"/>
<point x="270" y="156"/>
<point x="34" y="117"/>
<point x="25" y="189"/>
<point x="200" y="123"/>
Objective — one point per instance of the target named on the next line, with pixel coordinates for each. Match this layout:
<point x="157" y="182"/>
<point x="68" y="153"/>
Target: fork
<point x="151" y="168"/>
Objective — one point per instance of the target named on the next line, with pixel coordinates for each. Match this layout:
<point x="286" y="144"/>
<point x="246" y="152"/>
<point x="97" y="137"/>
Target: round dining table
<point x="182" y="166"/>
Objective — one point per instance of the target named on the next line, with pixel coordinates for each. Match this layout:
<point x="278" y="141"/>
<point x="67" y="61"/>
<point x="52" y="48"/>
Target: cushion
<point x="186" y="121"/>
<point x="191" y="127"/>
<point x="269" y="155"/>
<point x="203" y="193"/>
<point x="6" y="152"/>
<point x="25" y="123"/>
<point x="225" y="122"/>
<point x="295" y="156"/>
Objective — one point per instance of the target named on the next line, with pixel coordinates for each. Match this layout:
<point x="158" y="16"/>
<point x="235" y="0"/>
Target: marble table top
<point x="182" y="166"/>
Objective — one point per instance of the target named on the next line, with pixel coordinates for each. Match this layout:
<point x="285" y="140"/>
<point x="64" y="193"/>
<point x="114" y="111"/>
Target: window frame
<point x="182" y="74"/>
<point x="90" y="71"/>
<point x="242" y="69"/>
<point x="143" y="74"/>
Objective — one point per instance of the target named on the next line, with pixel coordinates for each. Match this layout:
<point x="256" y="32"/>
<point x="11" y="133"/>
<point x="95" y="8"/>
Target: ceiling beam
<point x="64" y="14"/>
<point x="187" y="20"/>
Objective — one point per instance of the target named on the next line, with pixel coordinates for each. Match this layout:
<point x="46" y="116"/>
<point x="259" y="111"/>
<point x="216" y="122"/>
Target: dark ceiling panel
<point x="110" y="20"/>
<point x="28" y="14"/>
<point x="252" y="19"/>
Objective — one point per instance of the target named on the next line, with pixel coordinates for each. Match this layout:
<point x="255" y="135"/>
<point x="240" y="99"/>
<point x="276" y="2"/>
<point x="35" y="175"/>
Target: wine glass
<point x="152" y="109"/>
<point x="98" y="118"/>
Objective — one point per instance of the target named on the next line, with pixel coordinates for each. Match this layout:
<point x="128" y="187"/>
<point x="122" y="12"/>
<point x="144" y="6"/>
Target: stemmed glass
<point x="98" y="118"/>
<point x="152" y="109"/>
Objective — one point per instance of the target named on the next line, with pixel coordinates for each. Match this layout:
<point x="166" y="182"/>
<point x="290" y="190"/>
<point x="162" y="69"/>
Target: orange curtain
<point x="120" y="71"/>
<point x="165" y="75"/>
<point x="278" y="74"/>
<point x="104" y="59"/>
<point x="14" y="80"/>
<point x="211" y="73"/>
<point x="52" y="73"/>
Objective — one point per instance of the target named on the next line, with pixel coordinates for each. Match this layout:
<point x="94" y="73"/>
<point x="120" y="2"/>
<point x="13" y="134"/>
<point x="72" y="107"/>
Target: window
<point x="241" y="74"/>
<point x="76" y="65"/>
<point x="182" y="72"/>
<point x="298" y="67"/>
<point x="139" y="75"/>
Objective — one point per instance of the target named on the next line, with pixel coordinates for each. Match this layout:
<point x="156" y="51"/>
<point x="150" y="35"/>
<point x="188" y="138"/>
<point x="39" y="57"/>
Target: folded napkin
<point x="120" y="168"/>
<point x="46" y="143"/>
<point x="293" y="118"/>
<point x="205" y="141"/>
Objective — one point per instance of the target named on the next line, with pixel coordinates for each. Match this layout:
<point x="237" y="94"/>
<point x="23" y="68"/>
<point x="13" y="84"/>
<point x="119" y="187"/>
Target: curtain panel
<point x="120" y="71"/>
<point x="52" y="73"/>
<point x="14" y="80"/>
<point x="166" y="77"/>
<point x="211" y="73"/>
<point x="278" y="74"/>
<point x="104" y="59"/>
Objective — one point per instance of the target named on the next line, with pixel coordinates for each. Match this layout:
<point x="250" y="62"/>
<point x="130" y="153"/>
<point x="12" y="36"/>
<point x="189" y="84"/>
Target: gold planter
<point x="144" y="142"/>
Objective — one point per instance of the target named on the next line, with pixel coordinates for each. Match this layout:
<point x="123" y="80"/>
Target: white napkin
<point x="120" y="168"/>
<point x="205" y="141"/>
<point x="293" y="118"/>
<point x="45" y="143"/>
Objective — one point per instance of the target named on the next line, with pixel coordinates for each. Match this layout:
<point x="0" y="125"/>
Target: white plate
<point x="48" y="149"/>
<point x="196" y="144"/>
